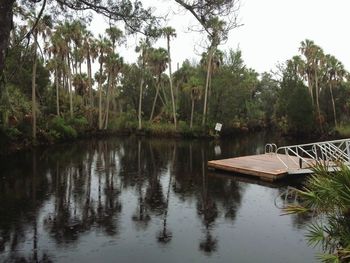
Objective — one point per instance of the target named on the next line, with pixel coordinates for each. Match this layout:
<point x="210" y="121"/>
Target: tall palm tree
<point x="157" y="61"/>
<point x="42" y="28"/>
<point x="313" y="55"/>
<point x="113" y="66"/>
<point x="56" y="50"/>
<point x="334" y="74"/>
<point x="306" y="48"/>
<point x="89" y="49"/>
<point x="103" y="48"/>
<point x="143" y="48"/>
<point x="169" y="32"/>
<point x="116" y="36"/>
<point x="194" y="88"/>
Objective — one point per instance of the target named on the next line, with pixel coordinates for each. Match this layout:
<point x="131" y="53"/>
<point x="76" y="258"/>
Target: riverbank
<point x="59" y="131"/>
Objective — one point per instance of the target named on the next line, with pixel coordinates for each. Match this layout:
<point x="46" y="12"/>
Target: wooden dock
<point x="265" y="166"/>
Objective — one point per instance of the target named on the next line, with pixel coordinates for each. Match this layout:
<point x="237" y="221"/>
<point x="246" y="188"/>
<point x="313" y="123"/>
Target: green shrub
<point x="344" y="130"/>
<point x="80" y="124"/>
<point x="63" y="130"/>
<point x="10" y="134"/>
<point x="186" y="131"/>
<point x="125" y="121"/>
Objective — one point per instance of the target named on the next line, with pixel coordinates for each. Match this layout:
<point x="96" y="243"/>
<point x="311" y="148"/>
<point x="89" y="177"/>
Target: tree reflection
<point x="208" y="210"/>
<point x="78" y="189"/>
<point x="20" y="199"/>
<point x="165" y="235"/>
<point x="154" y="192"/>
<point x="141" y="217"/>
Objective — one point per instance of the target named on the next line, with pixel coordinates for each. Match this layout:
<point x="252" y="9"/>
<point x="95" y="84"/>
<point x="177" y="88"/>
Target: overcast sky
<point x="272" y="30"/>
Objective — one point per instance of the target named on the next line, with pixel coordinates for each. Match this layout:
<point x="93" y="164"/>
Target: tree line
<point x="49" y="87"/>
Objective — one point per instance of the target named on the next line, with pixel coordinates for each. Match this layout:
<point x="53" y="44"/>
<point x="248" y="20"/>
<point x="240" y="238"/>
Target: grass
<point x="343" y="130"/>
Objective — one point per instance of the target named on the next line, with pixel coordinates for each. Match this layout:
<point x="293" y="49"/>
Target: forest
<point x="60" y="81"/>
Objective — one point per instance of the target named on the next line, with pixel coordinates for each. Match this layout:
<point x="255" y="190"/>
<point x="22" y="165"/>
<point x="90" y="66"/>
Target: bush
<point x="62" y="129"/>
<point x="300" y="111"/>
<point x="163" y="129"/>
<point x="9" y="134"/>
<point x="125" y="121"/>
<point x="186" y="131"/>
<point x="80" y="124"/>
<point x="343" y="130"/>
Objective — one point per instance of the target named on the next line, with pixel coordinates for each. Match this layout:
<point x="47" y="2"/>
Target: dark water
<point x="140" y="200"/>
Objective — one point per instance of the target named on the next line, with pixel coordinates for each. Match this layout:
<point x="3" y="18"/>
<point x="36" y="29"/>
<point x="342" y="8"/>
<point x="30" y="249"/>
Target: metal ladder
<point x="329" y="153"/>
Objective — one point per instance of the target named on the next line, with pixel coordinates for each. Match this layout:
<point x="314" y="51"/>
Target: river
<point x="144" y="200"/>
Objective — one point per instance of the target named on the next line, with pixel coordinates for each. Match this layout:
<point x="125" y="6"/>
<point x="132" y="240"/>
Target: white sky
<point x="272" y="31"/>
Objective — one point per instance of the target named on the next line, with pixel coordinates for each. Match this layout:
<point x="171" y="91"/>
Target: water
<point x="141" y="200"/>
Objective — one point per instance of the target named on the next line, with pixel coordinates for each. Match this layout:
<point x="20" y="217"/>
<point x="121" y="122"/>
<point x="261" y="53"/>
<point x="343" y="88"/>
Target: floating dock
<point x="265" y="166"/>
<point x="277" y="163"/>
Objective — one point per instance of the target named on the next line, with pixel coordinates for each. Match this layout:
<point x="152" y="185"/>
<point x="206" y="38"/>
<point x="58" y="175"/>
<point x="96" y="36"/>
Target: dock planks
<point x="265" y="166"/>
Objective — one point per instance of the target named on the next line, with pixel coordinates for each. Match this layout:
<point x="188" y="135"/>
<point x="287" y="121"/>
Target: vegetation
<point x="327" y="196"/>
<point x="49" y="81"/>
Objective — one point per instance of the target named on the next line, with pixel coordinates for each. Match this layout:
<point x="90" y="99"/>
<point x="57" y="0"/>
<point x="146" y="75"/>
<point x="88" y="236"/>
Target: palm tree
<point x="306" y="48"/>
<point x="57" y="49"/>
<point x="64" y="31"/>
<point x="314" y="56"/>
<point x="116" y="36"/>
<point x="42" y="27"/>
<point x="157" y="61"/>
<point x="169" y="32"/>
<point x="89" y="49"/>
<point x="143" y="49"/>
<point x="326" y="196"/>
<point x="334" y="74"/>
<point x="113" y="65"/>
<point x="194" y="88"/>
<point x="103" y="48"/>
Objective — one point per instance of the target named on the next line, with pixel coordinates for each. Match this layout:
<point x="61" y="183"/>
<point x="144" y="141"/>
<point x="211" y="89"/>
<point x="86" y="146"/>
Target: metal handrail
<point x="331" y="152"/>
<point x="270" y="148"/>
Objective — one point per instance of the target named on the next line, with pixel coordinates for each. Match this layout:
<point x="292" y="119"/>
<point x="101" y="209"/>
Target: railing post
<point x="348" y="150"/>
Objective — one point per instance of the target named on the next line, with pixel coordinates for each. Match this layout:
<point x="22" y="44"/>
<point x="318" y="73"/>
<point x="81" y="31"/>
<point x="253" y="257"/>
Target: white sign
<point x="217" y="150"/>
<point x="218" y="126"/>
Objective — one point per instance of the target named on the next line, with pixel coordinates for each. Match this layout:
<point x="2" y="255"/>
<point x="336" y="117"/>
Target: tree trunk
<point x="109" y="87"/>
<point x="154" y="101"/>
<point x="333" y="105"/>
<point x="205" y="106"/>
<point x="89" y="71"/>
<point x="171" y="84"/>
<point x="6" y="16"/>
<point x="192" y="112"/>
<point x="309" y="81"/>
<point x="100" y="98"/>
<point x="318" y="101"/>
<point x="70" y="87"/>
<point x="35" y="62"/>
<point x="57" y="93"/>
<point x="140" y="103"/>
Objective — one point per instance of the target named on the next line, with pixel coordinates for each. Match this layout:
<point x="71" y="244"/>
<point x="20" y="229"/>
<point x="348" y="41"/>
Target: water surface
<point x="141" y="200"/>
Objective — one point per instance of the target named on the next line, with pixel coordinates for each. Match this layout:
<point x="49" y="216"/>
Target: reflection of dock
<point x="276" y="163"/>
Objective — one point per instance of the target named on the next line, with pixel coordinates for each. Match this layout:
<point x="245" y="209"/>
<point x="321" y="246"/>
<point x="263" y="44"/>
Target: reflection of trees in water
<point x="165" y="235"/>
<point x="289" y="197"/>
<point x="208" y="211"/>
<point x="216" y="196"/>
<point x="155" y="199"/>
<point x="81" y="186"/>
<point x="20" y="198"/>
<point x="141" y="216"/>
<point x="77" y="198"/>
